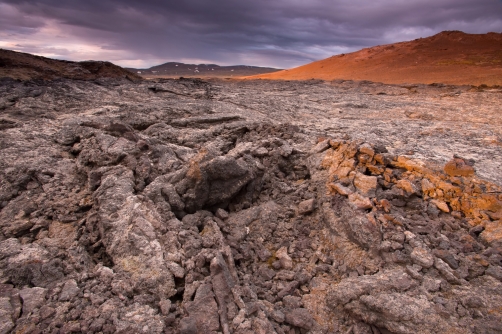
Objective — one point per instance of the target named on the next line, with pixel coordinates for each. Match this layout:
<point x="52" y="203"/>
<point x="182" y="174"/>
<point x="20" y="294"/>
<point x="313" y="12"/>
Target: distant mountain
<point x="173" y="69"/>
<point x="25" y="66"/>
<point x="450" y="57"/>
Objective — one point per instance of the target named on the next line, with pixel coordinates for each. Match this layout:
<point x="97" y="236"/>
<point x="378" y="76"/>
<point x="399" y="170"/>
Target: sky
<point x="274" y="33"/>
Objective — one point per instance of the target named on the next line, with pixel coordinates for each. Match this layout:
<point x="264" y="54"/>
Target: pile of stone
<point x="177" y="220"/>
<point x="435" y="236"/>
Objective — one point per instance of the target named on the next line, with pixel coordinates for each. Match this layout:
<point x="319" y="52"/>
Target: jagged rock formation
<point x="185" y="206"/>
<point x="427" y="226"/>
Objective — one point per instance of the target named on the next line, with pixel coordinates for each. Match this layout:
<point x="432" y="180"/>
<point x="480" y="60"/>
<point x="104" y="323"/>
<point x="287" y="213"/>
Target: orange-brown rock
<point x="406" y="186"/>
<point x="441" y="205"/>
<point x="365" y="184"/>
<point x="495" y="215"/>
<point x="493" y="231"/>
<point x="339" y="189"/>
<point x="452" y="190"/>
<point x="458" y="167"/>
<point x="359" y="201"/>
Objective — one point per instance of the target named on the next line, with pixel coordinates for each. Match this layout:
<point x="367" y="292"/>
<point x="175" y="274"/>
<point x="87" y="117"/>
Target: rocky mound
<point x="164" y="208"/>
<point x="176" y="70"/>
<point x="24" y="66"/>
<point x="450" y="57"/>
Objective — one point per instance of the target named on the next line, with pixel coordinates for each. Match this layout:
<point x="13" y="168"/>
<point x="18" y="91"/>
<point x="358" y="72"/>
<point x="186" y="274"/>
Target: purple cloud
<point x="281" y="33"/>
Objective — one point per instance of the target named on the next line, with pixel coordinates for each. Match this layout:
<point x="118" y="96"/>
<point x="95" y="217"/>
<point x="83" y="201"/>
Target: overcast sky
<point x="277" y="33"/>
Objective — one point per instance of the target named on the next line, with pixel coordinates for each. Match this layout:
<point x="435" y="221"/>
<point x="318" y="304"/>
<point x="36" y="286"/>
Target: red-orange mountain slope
<point x="450" y="57"/>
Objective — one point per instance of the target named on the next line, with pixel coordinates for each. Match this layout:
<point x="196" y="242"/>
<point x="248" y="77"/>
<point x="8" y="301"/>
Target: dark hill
<point x="24" y="66"/>
<point x="175" y="70"/>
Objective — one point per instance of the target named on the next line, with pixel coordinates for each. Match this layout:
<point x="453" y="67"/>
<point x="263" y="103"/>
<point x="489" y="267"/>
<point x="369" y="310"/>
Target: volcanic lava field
<point x="227" y="206"/>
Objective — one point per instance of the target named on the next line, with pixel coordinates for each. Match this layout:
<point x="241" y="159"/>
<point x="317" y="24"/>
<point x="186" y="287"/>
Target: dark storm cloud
<point x="280" y="33"/>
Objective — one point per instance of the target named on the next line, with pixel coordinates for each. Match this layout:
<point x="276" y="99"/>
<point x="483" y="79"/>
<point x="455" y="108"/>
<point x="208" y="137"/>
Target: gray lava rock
<point x="422" y="257"/>
<point x="447" y="257"/>
<point x="188" y="326"/>
<point x="192" y="206"/>
<point x="6" y="321"/>
<point x="494" y="271"/>
<point x="352" y="288"/>
<point x="292" y="302"/>
<point x="288" y="289"/>
<point x="204" y="310"/>
<point x="215" y="181"/>
<point x="70" y="290"/>
<point x="398" y="313"/>
<point x="300" y="317"/>
<point x="33" y="298"/>
<point x="306" y="206"/>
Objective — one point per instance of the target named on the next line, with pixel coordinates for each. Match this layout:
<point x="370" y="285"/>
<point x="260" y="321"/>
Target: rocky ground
<point x="186" y="206"/>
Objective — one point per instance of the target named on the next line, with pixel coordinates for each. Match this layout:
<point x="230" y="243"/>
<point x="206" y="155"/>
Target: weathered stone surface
<point x="431" y="285"/>
<point x="494" y="271"/>
<point x="173" y="207"/>
<point x="306" y="207"/>
<point x="458" y="167"/>
<point x="366" y="185"/>
<point x="32" y="298"/>
<point x="222" y="214"/>
<point x="204" y="310"/>
<point x="399" y="313"/>
<point x="441" y="205"/>
<point x="262" y="326"/>
<point x="422" y="257"/>
<point x="284" y="258"/>
<point x="300" y="317"/>
<point x="352" y="288"/>
<point x="266" y="273"/>
<point x="340" y="189"/>
<point x="188" y="326"/>
<point x="165" y="306"/>
<point x="445" y="270"/>
<point x="288" y="289"/>
<point x="321" y="146"/>
<point x="360" y="202"/>
<point x="222" y="283"/>
<point x="292" y="302"/>
<point x="6" y="321"/>
<point x="278" y="316"/>
<point x="69" y="291"/>
<point x="407" y="186"/>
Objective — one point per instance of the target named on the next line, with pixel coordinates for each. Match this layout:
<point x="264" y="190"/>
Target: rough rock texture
<point x="185" y="206"/>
